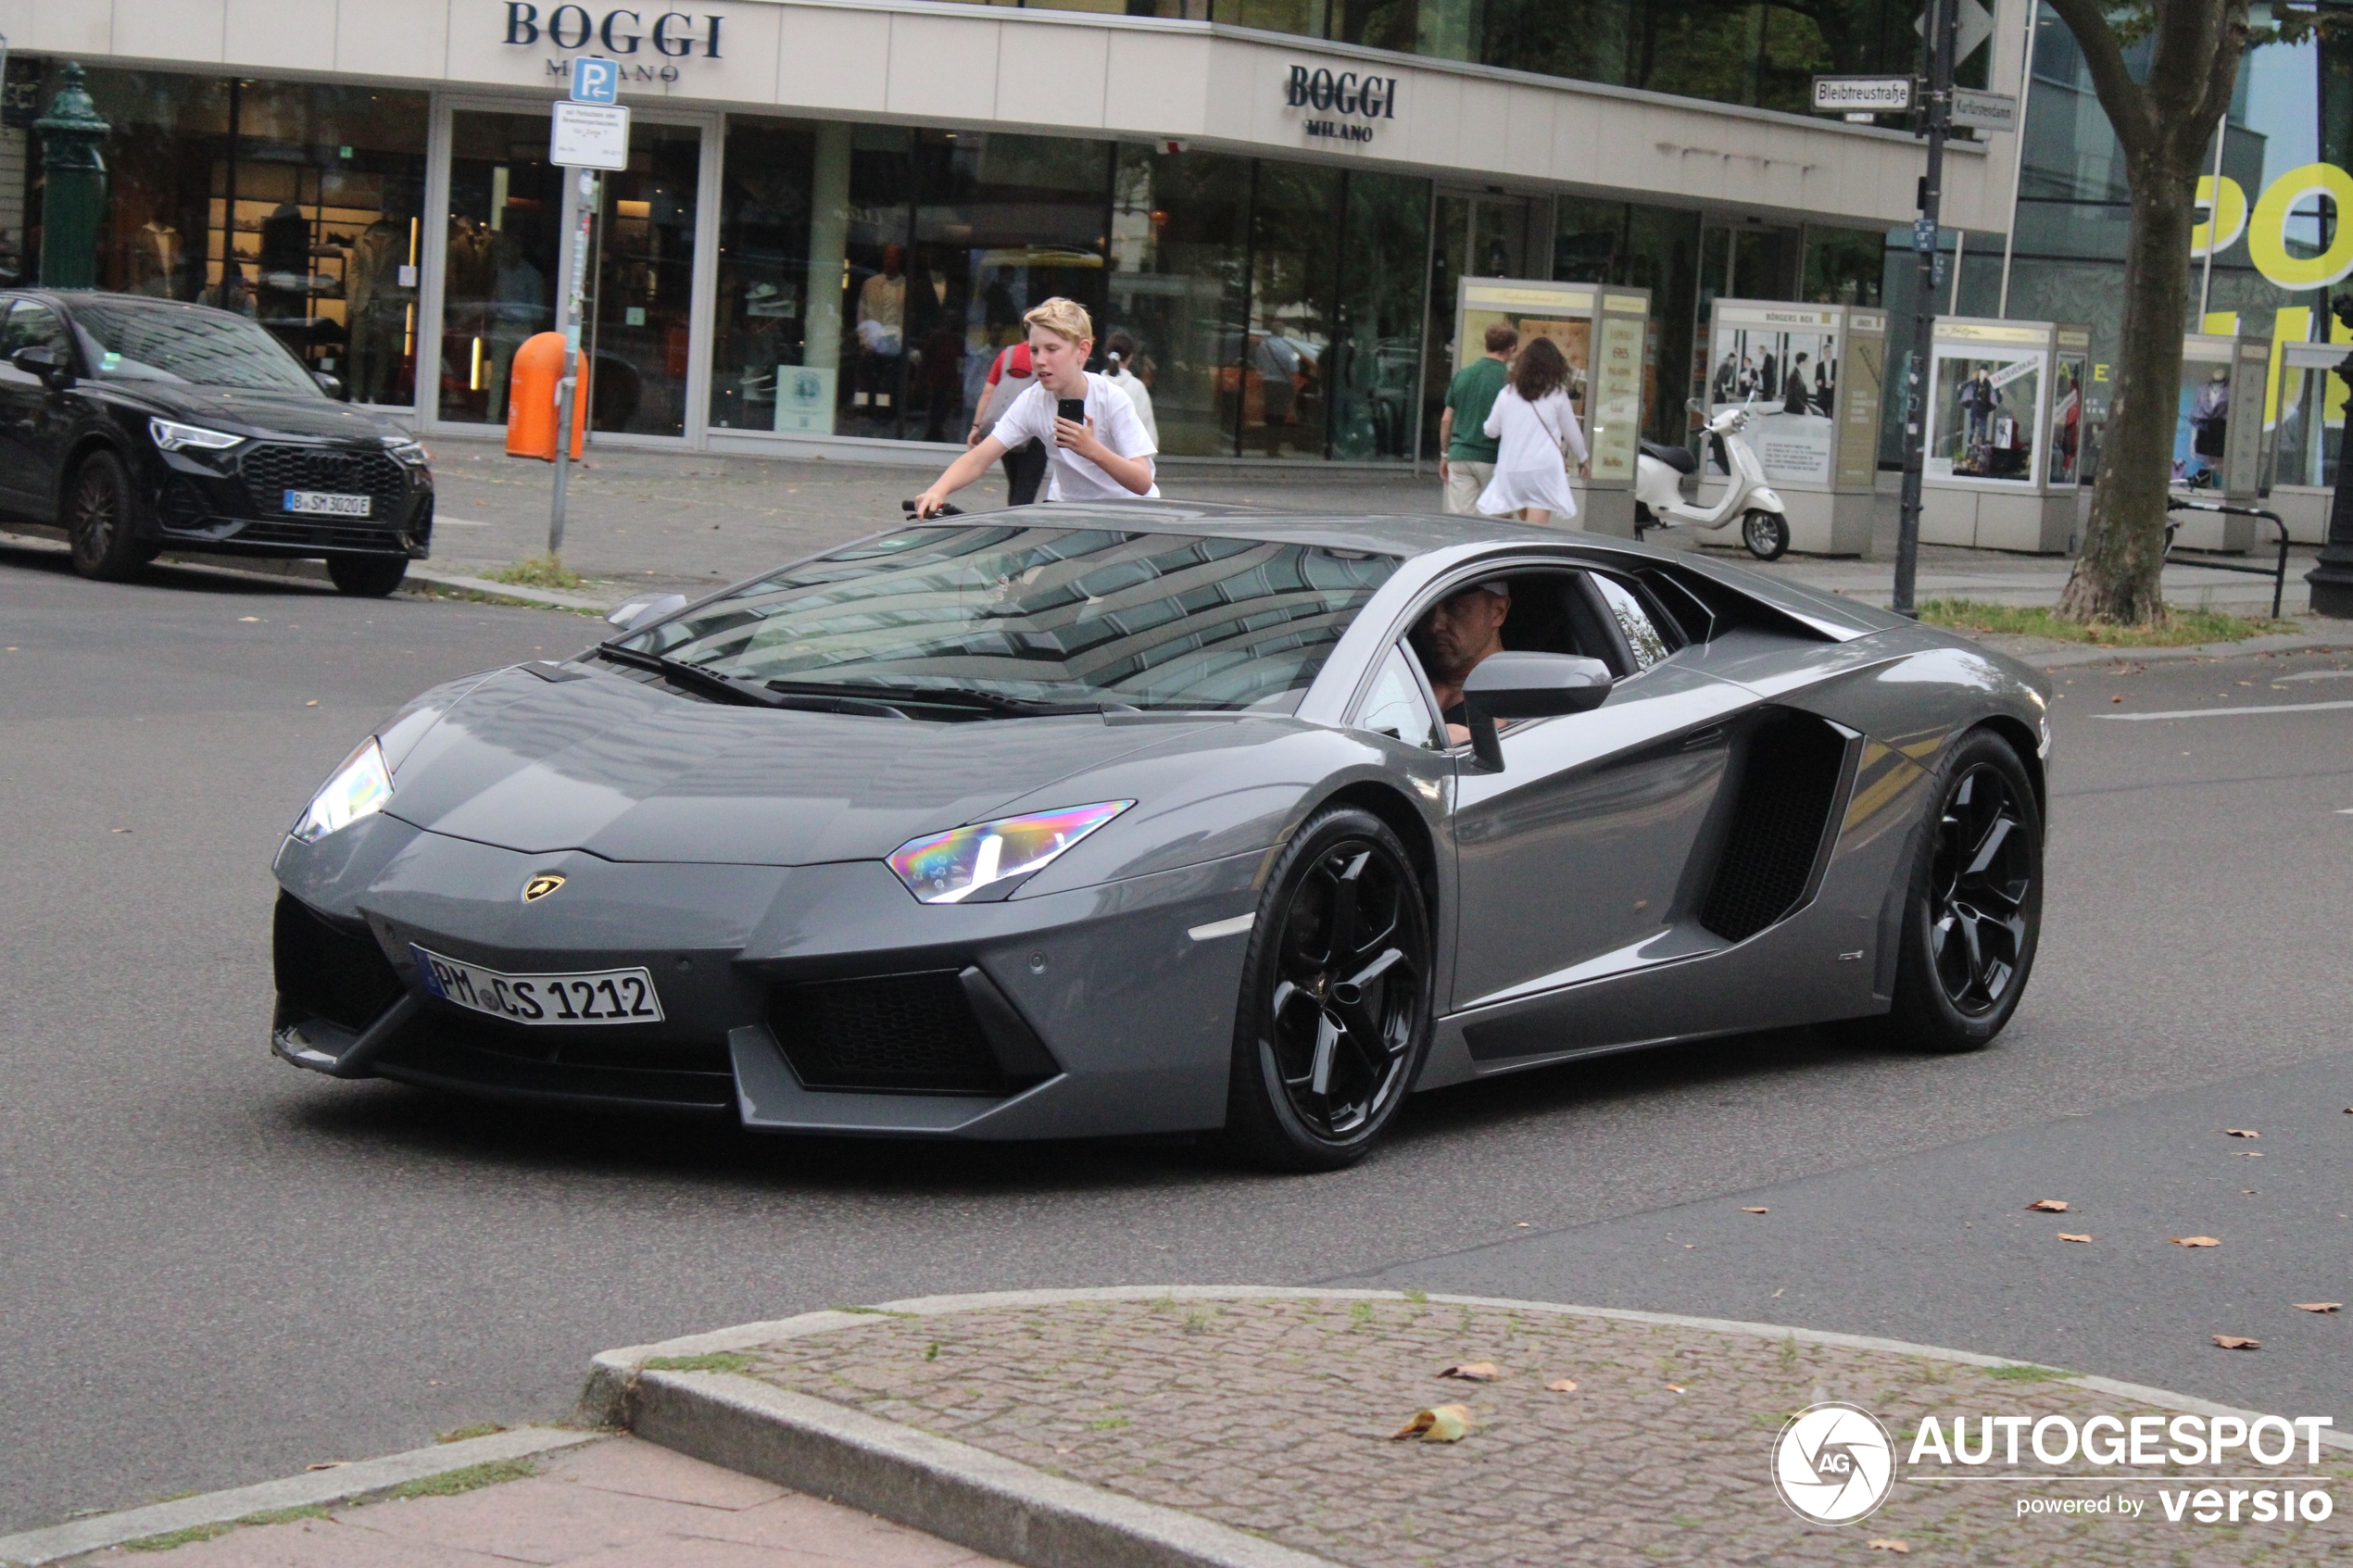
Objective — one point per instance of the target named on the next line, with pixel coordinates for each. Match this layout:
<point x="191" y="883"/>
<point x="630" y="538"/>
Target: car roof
<point x="1406" y="536"/>
<point x="69" y="300"/>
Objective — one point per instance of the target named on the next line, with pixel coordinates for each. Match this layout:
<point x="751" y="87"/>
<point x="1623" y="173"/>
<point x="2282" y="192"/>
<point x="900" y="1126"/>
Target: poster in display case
<point x="1602" y="332"/>
<point x="2005" y="434"/>
<point x="1810" y="376"/>
<point x="2218" y="435"/>
<point x="2307" y="437"/>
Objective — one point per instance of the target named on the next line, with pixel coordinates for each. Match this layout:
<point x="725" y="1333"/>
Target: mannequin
<point x="155" y="260"/>
<point x="378" y="306"/>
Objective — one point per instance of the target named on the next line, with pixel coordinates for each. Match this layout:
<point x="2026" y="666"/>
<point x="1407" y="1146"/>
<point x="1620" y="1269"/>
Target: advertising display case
<point x="2217" y="435"/>
<point x="1812" y="376"/>
<point x="2005" y="434"/>
<point x="1601" y="330"/>
<point x="2307" y="436"/>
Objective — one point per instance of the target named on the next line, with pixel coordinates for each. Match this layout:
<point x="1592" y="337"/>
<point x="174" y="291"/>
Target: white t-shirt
<point x="1069" y="477"/>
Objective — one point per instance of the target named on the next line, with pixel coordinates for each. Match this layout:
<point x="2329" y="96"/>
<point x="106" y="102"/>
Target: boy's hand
<point x="1072" y="436"/>
<point x="930" y="501"/>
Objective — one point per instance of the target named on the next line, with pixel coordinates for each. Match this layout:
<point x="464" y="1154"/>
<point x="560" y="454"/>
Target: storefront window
<point x="1376" y="351"/>
<point x="294" y="203"/>
<point x="1178" y="285"/>
<point x="501" y="259"/>
<point x="879" y="192"/>
<point x="1844" y="265"/>
<point x="644" y="271"/>
<point x="1649" y="247"/>
<point x="1294" y="256"/>
<point x="765" y="305"/>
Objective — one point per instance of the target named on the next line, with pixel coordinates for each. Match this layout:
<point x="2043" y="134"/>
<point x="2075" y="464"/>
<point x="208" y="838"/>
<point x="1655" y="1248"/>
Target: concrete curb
<point x="342" y="1484"/>
<point x="2284" y="642"/>
<point x="978" y="1500"/>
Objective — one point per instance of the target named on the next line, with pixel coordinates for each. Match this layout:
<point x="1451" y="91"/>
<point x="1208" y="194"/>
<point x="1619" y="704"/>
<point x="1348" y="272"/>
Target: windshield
<point x="189" y="346"/>
<point x="1048" y="614"/>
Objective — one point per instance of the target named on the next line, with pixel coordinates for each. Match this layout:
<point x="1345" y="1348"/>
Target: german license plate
<point x="590" y="995"/>
<point x="321" y="503"/>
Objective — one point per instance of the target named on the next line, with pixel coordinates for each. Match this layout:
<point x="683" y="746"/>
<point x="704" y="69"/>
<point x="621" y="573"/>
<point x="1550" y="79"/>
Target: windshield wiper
<point x="728" y="688"/>
<point x="955" y="696"/>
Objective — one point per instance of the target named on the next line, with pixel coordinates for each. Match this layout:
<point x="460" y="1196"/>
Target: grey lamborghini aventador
<point x="1146" y="818"/>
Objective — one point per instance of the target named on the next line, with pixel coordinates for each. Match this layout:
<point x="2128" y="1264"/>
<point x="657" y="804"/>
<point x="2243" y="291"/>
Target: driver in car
<point x="1457" y="631"/>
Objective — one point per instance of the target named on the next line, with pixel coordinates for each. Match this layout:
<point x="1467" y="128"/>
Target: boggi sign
<point x="1361" y="98"/>
<point x="621" y="31"/>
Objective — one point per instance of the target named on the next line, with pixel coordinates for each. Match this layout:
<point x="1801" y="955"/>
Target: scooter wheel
<point x="1766" y="534"/>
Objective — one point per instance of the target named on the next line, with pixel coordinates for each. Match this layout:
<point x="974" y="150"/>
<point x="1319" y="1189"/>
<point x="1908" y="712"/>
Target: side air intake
<point x="1788" y="785"/>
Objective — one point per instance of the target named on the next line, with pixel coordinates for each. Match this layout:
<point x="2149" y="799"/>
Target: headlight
<point x="407" y="449"/>
<point x="358" y="789"/>
<point x="171" y="435"/>
<point x="950" y="867"/>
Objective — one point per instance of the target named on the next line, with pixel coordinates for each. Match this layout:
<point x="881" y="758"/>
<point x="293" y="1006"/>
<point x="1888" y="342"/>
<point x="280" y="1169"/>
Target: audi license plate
<point x="592" y="996"/>
<point x="319" y="503"/>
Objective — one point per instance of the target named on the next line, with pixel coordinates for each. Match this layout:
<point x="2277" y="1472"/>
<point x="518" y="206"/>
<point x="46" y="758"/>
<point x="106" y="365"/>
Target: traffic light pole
<point x="1944" y="21"/>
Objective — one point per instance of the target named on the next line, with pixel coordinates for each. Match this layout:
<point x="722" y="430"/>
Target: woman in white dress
<point x="1533" y="424"/>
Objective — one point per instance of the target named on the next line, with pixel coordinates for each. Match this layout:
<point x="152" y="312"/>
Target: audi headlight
<point x="358" y="789"/>
<point x="171" y="435"/>
<point x="947" y="868"/>
<point x="407" y="449"/>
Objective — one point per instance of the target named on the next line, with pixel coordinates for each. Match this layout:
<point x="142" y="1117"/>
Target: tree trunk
<point x="2117" y="577"/>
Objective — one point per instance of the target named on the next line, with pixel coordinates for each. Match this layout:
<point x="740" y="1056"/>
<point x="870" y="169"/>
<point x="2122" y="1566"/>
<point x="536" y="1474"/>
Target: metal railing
<point x="2277" y="573"/>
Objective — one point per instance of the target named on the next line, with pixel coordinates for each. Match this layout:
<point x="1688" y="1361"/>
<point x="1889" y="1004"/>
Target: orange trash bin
<point x="531" y="384"/>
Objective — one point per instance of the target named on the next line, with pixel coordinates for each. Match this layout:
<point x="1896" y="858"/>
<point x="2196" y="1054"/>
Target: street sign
<point x="589" y="137"/>
<point x="595" y="79"/>
<point x="1862" y="94"/>
<point x="1986" y="111"/>
<point x="1976" y="26"/>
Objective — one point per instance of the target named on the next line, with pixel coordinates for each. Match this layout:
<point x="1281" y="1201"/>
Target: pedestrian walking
<point x="1024" y="465"/>
<point x="1533" y="424"/>
<point x="1119" y="353"/>
<point x="1096" y="446"/>
<point x="1466" y="452"/>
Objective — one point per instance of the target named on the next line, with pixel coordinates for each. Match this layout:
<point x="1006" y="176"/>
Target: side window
<point x="1642" y="634"/>
<point x="1395" y="705"/>
<point x="30" y="326"/>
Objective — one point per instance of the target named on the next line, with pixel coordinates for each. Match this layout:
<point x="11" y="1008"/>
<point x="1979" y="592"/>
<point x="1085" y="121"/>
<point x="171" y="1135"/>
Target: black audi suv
<point x="132" y="425"/>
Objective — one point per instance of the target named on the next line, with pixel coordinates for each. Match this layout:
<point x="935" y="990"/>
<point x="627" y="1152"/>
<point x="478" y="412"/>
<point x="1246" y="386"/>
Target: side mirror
<point x="40" y="363"/>
<point x="1527" y="685"/>
<point x="643" y="610"/>
<point x="330" y="386"/>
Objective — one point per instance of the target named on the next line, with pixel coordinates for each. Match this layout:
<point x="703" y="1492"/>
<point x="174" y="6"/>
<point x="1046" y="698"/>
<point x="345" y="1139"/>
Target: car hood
<point x="628" y="771"/>
<point x="253" y="413"/>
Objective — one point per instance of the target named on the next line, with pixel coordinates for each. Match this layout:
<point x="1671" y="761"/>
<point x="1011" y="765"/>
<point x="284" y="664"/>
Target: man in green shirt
<point x="1466" y="452"/>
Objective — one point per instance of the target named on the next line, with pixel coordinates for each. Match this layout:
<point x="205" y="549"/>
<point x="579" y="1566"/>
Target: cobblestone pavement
<point x="615" y="1504"/>
<point x="1274" y="1416"/>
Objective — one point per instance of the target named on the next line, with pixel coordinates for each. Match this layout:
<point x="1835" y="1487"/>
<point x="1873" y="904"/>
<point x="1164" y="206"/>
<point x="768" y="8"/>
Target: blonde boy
<point x="1106" y="458"/>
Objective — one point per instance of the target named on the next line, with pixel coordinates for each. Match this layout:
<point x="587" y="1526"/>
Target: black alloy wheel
<point x="1766" y="534"/>
<point x="1334" y="1005"/>
<point x="101" y="518"/>
<point x="1974" y="915"/>
<point x="367" y="577"/>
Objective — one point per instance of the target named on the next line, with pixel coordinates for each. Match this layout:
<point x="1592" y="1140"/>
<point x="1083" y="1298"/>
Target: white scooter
<point x="1658" y="490"/>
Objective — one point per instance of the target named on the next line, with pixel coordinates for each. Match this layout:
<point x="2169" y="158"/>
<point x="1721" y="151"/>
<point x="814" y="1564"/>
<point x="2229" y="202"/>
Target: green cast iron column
<point x="73" y="201"/>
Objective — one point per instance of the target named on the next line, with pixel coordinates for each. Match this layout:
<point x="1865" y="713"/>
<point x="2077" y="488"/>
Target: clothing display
<point x="155" y="260"/>
<point x="1530" y="438"/>
<point x="379" y="305"/>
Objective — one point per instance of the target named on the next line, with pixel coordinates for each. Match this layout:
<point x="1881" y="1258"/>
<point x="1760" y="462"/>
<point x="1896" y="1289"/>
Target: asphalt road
<point x="218" y="1269"/>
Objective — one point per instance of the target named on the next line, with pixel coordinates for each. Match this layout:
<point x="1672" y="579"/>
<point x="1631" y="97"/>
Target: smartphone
<point x="1071" y="408"/>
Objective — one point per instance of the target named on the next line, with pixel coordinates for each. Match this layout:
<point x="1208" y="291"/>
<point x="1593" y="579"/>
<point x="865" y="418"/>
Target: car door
<point x="1578" y="860"/>
<point x="33" y="419"/>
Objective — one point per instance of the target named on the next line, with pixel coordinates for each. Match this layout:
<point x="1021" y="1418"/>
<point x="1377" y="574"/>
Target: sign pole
<point x="579" y="209"/>
<point x="587" y="132"/>
<point x="1943" y="15"/>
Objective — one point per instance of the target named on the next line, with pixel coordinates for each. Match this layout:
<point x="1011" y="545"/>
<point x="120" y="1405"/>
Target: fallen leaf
<point x="2071" y="1236"/>
<point x="312" y="703"/>
<point x="1472" y="1372"/>
<point x="2193" y="1241"/>
<point x="2241" y="1132"/>
<point x="1890" y="1546"/>
<point x="1760" y="1210"/>
<point x="1444" y="1423"/>
<point x="1675" y="1388"/>
<point x="2115" y="699"/>
<point x="245" y="617"/>
<point x="2232" y="1342"/>
<point x="2318" y="1306"/>
<point x="328" y="1464"/>
<point x="2250" y="1154"/>
<point x="2048" y="1206"/>
<point x="1568" y="1384"/>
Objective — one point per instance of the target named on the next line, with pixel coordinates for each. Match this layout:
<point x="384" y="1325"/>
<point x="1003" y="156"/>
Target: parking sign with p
<point x="594" y="81"/>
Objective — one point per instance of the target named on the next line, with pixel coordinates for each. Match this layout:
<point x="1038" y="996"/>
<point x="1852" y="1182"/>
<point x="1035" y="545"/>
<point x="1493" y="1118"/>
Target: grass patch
<point x="1108" y="1424"/>
<point x="1418" y="1298"/>
<point x="716" y="1361"/>
<point x="2029" y="1374"/>
<point x="473" y="1477"/>
<point x="285" y="1516"/>
<point x="418" y="588"/>
<point x="479" y="1429"/>
<point x="172" y="1539"/>
<point x="2180" y="627"/>
<point x="538" y="571"/>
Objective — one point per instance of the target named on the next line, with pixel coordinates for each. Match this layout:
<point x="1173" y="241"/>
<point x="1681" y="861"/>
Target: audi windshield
<point x="1010" y="619"/>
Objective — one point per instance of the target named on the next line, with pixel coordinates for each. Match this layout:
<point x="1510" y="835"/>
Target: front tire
<point x="366" y="577"/>
<point x="1334" y="1010"/>
<point x="1766" y="534"/>
<point x="102" y="519"/>
<point x="1973" y="913"/>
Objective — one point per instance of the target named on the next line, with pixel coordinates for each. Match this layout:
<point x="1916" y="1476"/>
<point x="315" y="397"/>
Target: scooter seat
<point x="1680" y="459"/>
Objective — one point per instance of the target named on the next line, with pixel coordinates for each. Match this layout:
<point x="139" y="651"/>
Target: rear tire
<point x="102" y="519"/>
<point x="1973" y="911"/>
<point x="366" y="577"/>
<point x="1766" y="534"/>
<point x="1335" y="1013"/>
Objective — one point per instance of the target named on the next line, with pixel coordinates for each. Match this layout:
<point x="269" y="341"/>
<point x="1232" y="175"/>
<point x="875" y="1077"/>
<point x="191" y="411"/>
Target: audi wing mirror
<point x="1527" y="685"/>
